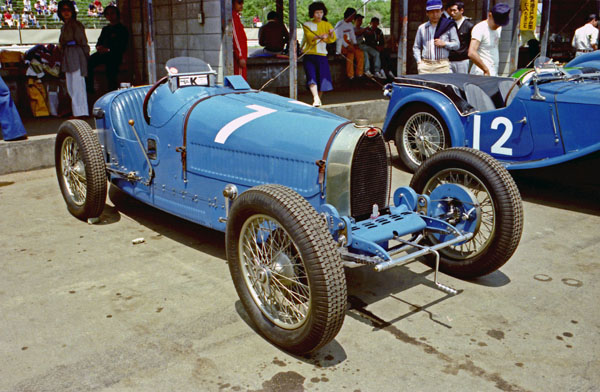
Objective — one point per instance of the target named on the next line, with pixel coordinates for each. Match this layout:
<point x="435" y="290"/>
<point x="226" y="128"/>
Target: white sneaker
<point x="391" y="74"/>
<point x="368" y="74"/>
<point x="317" y="102"/>
<point x="381" y="74"/>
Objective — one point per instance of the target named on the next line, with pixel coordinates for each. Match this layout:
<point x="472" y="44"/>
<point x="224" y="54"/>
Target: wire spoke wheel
<point x="422" y="137"/>
<point x="73" y="170"/>
<point x="497" y="204"/>
<point x="420" y="133"/>
<point x="274" y="272"/>
<point x="80" y="169"/>
<point x="485" y="233"/>
<point x="285" y="268"/>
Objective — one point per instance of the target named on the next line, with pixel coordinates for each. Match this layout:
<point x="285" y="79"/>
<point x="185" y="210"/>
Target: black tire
<point x="306" y="273"/>
<point x="499" y="233"/>
<point x="432" y="129"/>
<point x="80" y="169"/>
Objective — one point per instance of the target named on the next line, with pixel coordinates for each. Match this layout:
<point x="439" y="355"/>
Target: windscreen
<point x="186" y="65"/>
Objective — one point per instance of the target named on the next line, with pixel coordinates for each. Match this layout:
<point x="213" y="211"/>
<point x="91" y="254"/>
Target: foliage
<point x="378" y="8"/>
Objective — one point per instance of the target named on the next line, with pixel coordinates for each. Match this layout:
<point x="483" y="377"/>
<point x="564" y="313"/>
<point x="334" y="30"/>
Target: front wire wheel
<point x="497" y="236"/>
<point x="421" y="134"/>
<point x="486" y="230"/>
<point x="274" y="272"/>
<point x="286" y="268"/>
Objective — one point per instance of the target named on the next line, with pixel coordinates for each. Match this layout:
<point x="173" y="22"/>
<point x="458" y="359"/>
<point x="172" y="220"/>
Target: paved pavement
<point x="83" y="309"/>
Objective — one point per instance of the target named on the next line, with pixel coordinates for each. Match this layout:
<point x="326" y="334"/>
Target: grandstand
<point x="49" y="21"/>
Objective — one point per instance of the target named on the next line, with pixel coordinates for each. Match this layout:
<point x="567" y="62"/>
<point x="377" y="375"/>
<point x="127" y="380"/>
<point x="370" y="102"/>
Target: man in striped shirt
<point x="434" y="41"/>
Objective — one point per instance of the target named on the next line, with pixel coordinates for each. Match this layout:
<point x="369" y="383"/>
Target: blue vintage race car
<point x="545" y="117"/>
<point x="298" y="191"/>
<point x="591" y="60"/>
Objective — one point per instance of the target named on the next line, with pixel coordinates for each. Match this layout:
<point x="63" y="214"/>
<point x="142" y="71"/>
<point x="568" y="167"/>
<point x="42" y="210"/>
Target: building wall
<point x="179" y="31"/>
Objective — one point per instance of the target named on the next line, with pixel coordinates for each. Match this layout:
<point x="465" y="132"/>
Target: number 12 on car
<point x="501" y="130"/>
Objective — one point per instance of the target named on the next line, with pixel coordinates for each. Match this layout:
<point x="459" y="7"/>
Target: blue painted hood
<point x="585" y="93"/>
<point x="252" y="138"/>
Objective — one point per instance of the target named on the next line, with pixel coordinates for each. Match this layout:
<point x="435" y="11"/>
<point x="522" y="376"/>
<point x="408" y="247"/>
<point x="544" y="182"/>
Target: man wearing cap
<point x="434" y="41"/>
<point x="485" y="37"/>
<point x="585" y="39"/>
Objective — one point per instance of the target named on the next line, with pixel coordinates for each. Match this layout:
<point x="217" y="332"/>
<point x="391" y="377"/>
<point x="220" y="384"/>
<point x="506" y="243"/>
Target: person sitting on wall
<point x="374" y="44"/>
<point x="272" y="36"/>
<point x="110" y="48"/>
<point x="347" y="45"/>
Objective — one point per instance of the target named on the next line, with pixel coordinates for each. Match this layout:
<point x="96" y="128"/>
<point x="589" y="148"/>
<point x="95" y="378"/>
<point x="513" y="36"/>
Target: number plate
<point x="192" y="80"/>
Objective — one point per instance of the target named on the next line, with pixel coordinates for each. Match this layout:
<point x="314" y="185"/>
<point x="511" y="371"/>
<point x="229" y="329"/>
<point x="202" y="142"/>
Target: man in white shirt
<point x="485" y="38"/>
<point x="586" y="37"/>
<point x="346" y="44"/>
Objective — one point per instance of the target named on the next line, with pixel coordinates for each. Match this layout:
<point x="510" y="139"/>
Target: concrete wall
<point x="178" y="32"/>
<point x="35" y="36"/>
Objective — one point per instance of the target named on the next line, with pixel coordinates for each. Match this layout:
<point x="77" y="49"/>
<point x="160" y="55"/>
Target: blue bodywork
<point x="267" y="149"/>
<point x="591" y="60"/>
<point x="201" y="139"/>
<point x="529" y="132"/>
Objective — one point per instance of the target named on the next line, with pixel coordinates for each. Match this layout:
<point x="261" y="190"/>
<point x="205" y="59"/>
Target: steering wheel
<point x="147" y="97"/>
<point x="515" y="83"/>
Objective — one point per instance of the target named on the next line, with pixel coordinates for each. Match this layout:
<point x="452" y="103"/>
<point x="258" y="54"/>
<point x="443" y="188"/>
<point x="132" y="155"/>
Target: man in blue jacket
<point x="10" y="121"/>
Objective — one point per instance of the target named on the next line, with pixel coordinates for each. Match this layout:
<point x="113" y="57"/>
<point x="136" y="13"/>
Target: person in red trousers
<point x="240" y="43"/>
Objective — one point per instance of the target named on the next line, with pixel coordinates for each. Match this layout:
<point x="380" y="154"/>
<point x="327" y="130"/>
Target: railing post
<point x="150" y="52"/>
<point x="293" y="51"/>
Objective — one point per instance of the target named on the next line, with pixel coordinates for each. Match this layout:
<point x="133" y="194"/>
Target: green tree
<point x="336" y="8"/>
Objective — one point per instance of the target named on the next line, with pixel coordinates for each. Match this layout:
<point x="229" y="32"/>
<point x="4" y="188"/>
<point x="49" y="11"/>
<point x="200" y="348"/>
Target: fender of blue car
<point x="402" y="97"/>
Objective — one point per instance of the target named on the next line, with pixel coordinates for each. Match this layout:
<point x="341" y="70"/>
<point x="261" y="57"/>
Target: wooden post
<point x="485" y="9"/>
<point x="226" y="40"/>
<point x="402" y="52"/>
<point x="279" y="9"/>
<point x="150" y="50"/>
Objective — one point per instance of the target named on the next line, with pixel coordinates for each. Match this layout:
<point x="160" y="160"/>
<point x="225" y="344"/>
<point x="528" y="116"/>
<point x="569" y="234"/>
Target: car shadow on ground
<point x="332" y="354"/>
<point x="572" y="186"/>
<point x="190" y="234"/>
<point x="365" y="286"/>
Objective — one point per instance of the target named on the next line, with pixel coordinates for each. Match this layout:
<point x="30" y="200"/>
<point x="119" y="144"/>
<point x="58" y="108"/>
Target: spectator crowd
<point x="41" y="13"/>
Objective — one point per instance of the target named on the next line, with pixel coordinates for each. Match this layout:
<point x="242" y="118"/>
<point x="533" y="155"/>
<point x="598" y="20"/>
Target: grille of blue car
<point x="370" y="176"/>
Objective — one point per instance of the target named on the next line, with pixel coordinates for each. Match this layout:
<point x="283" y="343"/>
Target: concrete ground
<point x="84" y="309"/>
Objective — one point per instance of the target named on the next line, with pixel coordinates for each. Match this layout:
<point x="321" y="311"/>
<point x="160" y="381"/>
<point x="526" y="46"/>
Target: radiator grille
<point x="370" y="176"/>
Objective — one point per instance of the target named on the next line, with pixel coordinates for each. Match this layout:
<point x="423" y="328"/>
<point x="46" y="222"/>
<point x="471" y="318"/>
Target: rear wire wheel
<point x="421" y="132"/>
<point x="498" y="235"/>
<point x="80" y="169"/>
<point x="285" y="268"/>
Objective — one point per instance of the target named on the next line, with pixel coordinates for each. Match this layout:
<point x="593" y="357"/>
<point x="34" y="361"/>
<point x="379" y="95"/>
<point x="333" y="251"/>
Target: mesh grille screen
<point x="370" y="176"/>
